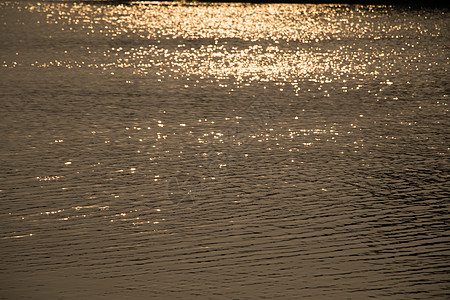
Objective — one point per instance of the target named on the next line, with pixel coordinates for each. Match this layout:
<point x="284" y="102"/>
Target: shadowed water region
<point x="223" y="151"/>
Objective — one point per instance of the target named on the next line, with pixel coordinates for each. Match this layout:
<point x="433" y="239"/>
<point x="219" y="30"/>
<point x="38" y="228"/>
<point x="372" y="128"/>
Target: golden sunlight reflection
<point x="295" y="42"/>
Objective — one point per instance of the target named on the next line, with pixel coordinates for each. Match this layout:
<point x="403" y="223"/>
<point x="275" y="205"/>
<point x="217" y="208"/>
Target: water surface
<point x="223" y="151"/>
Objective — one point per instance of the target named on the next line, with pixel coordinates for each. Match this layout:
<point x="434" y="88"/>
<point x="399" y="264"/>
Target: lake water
<point x="224" y="151"/>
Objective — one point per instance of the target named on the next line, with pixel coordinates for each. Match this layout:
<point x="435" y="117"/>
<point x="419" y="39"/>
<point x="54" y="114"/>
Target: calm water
<point x="223" y="151"/>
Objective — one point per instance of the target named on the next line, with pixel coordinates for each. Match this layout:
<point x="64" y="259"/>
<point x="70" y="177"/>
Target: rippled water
<point x="223" y="151"/>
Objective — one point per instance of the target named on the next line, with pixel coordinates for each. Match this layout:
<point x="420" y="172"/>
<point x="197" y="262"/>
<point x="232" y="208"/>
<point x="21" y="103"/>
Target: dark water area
<point x="407" y="3"/>
<point x="227" y="151"/>
<point x="398" y="3"/>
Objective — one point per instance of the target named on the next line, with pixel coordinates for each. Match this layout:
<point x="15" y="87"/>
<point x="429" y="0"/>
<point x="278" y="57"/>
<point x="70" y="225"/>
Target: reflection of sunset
<point x="288" y="43"/>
